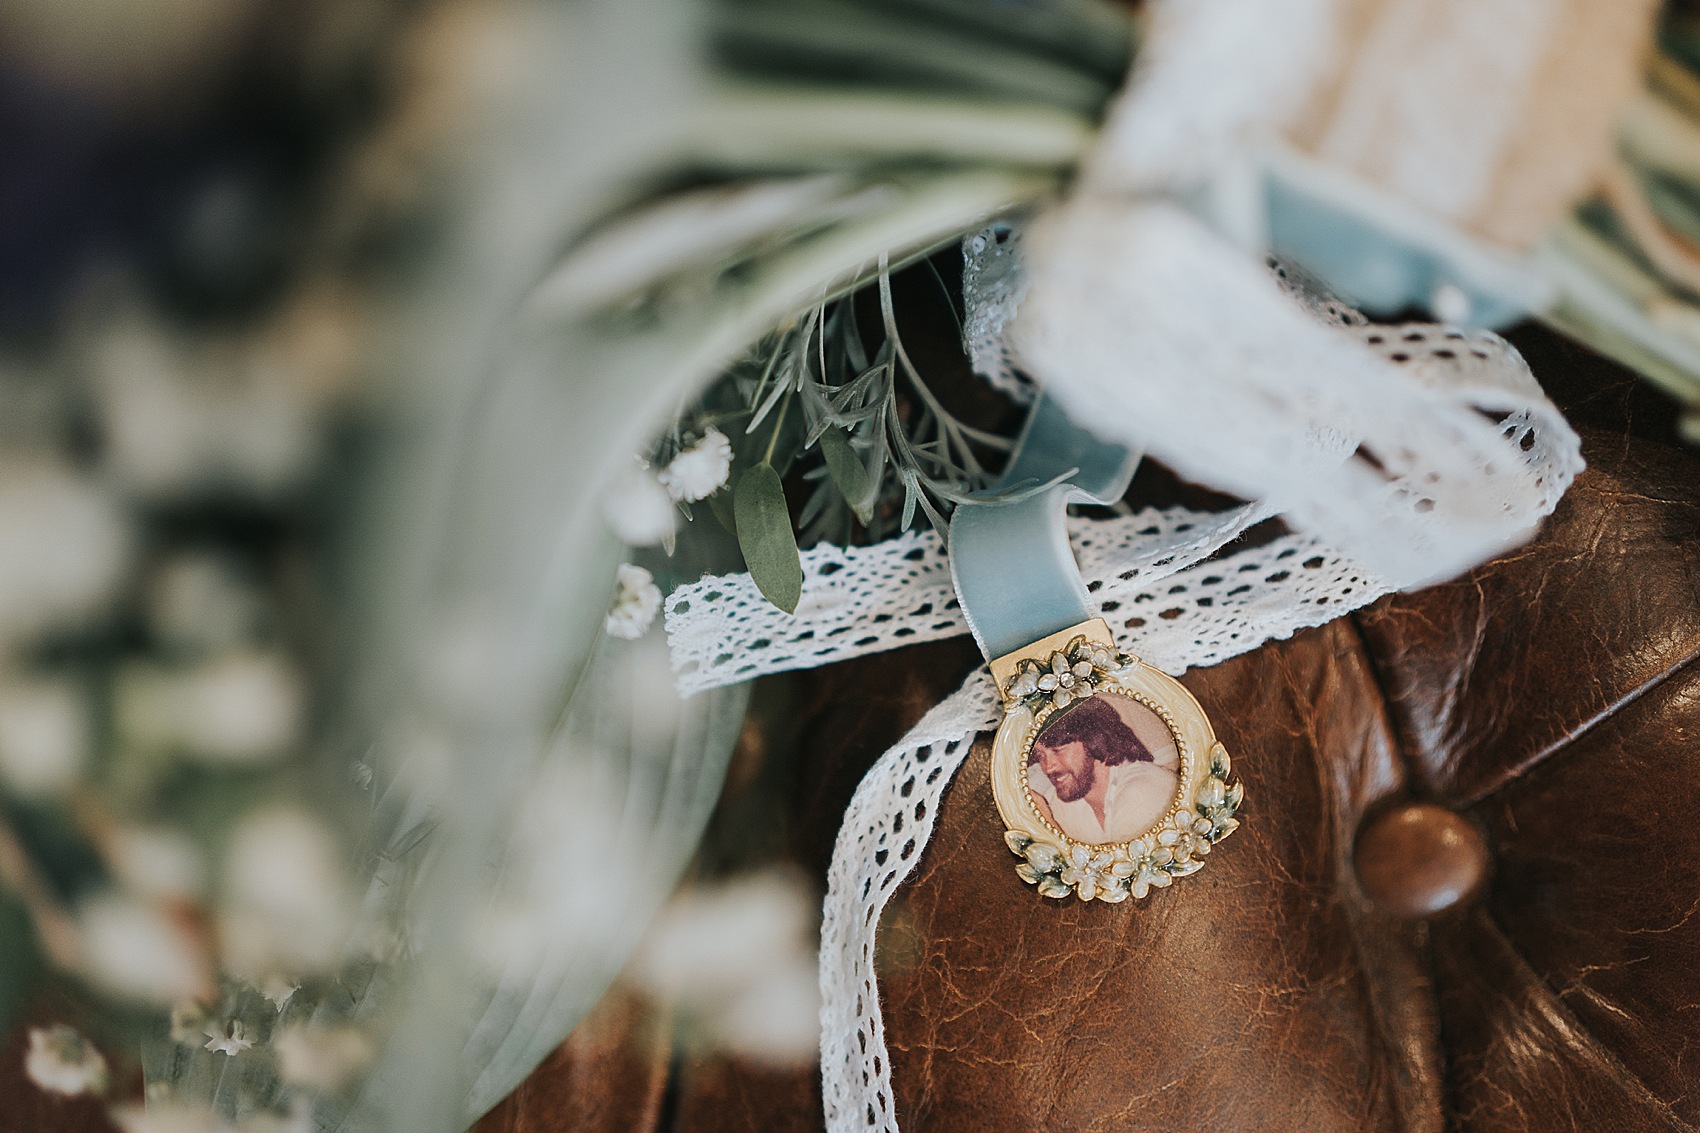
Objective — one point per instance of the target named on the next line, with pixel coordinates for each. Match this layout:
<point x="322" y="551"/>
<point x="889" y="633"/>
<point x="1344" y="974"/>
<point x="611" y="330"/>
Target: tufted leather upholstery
<point x="1547" y="704"/>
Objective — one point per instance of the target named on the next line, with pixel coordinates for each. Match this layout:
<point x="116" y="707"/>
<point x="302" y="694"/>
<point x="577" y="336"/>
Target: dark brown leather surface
<point x="1550" y="699"/>
<point x="608" y="1077"/>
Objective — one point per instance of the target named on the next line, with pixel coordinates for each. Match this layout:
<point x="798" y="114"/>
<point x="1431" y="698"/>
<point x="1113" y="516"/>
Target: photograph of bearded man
<point x="1105" y="769"/>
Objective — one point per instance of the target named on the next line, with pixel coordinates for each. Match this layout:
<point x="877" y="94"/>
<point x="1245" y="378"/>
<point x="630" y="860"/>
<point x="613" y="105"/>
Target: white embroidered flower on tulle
<point x="278" y="990"/>
<point x="61" y="1061"/>
<point x="699" y="471"/>
<point x="638" y="509"/>
<point x="228" y="1041"/>
<point x="636" y="604"/>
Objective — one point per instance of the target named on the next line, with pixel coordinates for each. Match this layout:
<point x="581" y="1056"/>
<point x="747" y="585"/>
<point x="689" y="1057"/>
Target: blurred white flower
<point x="133" y="949"/>
<point x="776" y="1019"/>
<point x="64" y="549"/>
<point x="324" y="1059"/>
<point x="228" y="1040"/>
<point x="638" y="509"/>
<point x="1450" y="303"/>
<point x="245" y="708"/>
<point x="61" y="1061"/>
<point x="44" y="736"/>
<point x="699" y="471"/>
<point x="162" y="1116"/>
<point x="181" y="418"/>
<point x="636" y="603"/>
<point x="277" y="990"/>
<point x="199" y="602"/>
<point x="157" y="862"/>
<point x="738" y="959"/>
<point x="569" y="816"/>
<point x="287" y="905"/>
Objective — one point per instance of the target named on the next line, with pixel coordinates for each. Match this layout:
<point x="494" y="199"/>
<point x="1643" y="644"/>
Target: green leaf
<point x="848" y="473"/>
<point x="766" y="538"/>
<point x="911" y="489"/>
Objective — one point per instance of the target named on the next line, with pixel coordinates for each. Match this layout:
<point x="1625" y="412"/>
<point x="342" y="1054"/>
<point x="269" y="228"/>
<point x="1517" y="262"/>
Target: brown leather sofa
<point x="1465" y="896"/>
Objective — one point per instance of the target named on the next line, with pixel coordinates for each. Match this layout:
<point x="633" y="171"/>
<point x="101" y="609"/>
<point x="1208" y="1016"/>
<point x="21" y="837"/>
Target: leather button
<point x="1418" y="859"/>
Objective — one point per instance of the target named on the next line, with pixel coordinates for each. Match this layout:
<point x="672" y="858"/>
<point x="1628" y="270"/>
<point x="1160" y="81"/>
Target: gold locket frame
<point x="1200" y="815"/>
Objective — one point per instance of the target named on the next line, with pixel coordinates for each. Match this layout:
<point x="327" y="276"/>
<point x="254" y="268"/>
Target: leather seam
<point x="1356" y="912"/>
<point x="1555" y="1001"/>
<point x="1511" y="774"/>
<point x="1367" y="653"/>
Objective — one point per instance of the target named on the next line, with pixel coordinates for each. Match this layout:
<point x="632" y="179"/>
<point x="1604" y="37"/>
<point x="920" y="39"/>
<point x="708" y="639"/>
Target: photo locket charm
<point x="1106" y="772"/>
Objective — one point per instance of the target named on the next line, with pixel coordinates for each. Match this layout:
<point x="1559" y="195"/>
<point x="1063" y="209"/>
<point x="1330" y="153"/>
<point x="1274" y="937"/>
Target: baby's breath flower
<point x="638" y="510"/>
<point x="699" y="471"/>
<point x="61" y="1061"/>
<point x="159" y="862"/>
<point x="44" y="736"/>
<point x="287" y="902"/>
<point x="636" y="604"/>
<point x="737" y="958"/>
<point x="135" y="949"/>
<point x="244" y="708"/>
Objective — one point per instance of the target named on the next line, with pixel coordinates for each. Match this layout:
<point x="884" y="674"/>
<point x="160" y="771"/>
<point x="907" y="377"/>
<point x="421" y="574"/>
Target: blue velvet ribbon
<point x="1015" y="574"/>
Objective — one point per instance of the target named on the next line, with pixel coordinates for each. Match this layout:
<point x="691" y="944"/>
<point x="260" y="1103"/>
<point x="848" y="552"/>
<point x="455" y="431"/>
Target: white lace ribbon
<point x="887" y="825"/>
<point x="1420" y="450"/>
<point x="861" y="600"/>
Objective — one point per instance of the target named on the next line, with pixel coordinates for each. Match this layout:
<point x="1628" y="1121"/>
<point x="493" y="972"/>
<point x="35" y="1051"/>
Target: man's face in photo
<point x="1068" y="767"/>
